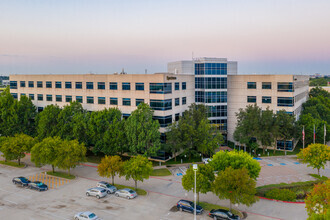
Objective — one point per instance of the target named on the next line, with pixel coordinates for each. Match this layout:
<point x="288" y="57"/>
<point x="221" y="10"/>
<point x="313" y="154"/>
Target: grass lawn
<point x="140" y="192"/>
<point x="161" y="172"/>
<point x="319" y="177"/>
<point x="209" y="207"/>
<point x="12" y="163"/>
<point x="62" y="175"/>
<point x="94" y="159"/>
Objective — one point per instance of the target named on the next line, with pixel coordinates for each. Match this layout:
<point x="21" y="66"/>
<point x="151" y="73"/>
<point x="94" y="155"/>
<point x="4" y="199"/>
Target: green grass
<point x="94" y="159"/>
<point x="209" y="207"/>
<point x="12" y="163"/>
<point x="62" y="175"/>
<point x="184" y="160"/>
<point x="140" y="192"/>
<point x="161" y="172"/>
<point x="323" y="178"/>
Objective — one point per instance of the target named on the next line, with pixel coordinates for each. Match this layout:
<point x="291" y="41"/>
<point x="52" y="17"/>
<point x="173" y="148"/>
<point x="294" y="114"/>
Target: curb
<point x="281" y="200"/>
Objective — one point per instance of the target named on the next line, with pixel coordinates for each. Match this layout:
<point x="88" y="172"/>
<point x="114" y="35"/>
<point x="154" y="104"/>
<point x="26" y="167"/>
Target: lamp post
<point x="195" y="168"/>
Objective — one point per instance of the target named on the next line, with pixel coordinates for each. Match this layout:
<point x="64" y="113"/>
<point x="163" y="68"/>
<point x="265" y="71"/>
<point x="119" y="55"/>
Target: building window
<point x="164" y="121"/>
<point x="184" y="100"/>
<point x="217" y="111"/>
<point x="126" y="86"/>
<point x="177" y="86"/>
<point x="160" y="88"/>
<point x="113" y="85"/>
<point x="285" y="87"/>
<point x="211" y="69"/>
<point x="49" y="98"/>
<point x="22" y="84"/>
<point x="13" y="85"/>
<point x="48" y="84"/>
<point x="285" y="101"/>
<point x="252" y="99"/>
<point x="184" y="85"/>
<point x="139" y="86"/>
<point x="58" y="85"/>
<point x="23" y="94"/>
<point x="177" y="116"/>
<point x="101" y="85"/>
<point x="211" y="83"/>
<point x="161" y="105"/>
<point x="78" y="85"/>
<point x="40" y="109"/>
<point x="138" y="101"/>
<point x="126" y="116"/>
<point x="68" y="85"/>
<point x="40" y="97"/>
<point x="14" y="95"/>
<point x="58" y="98"/>
<point x="221" y="124"/>
<point x="127" y="101"/>
<point x="79" y="99"/>
<point x="177" y="101"/>
<point x="89" y="85"/>
<point x="90" y="99"/>
<point x="266" y="99"/>
<point x="288" y="145"/>
<point x="266" y="85"/>
<point x="101" y="100"/>
<point x="68" y="98"/>
<point x="31" y="96"/>
<point x="31" y="84"/>
<point x="210" y="97"/>
<point x="113" y="101"/>
<point x="39" y="84"/>
<point x="251" y="85"/>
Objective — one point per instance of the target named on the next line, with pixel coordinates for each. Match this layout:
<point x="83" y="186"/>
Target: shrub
<point x="281" y="194"/>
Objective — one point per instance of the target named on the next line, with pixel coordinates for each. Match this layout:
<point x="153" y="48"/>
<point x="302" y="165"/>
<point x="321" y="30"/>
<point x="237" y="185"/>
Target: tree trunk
<point x="174" y="156"/>
<point x="53" y="168"/>
<point x="318" y="171"/>
<point x="229" y="205"/>
<point x="113" y="179"/>
<point x="69" y="171"/>
<point x="197" y="198"/>
<point x="135" y="185"/>
<point x="19" y="161"/>
<point x="275" y="147"/>
<point x="284" y="146"/>
<point x="263" y="150"/>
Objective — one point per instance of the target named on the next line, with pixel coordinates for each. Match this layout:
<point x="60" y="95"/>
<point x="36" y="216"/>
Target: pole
<point x="195" y="167"/>
<point x="314" y="135"/>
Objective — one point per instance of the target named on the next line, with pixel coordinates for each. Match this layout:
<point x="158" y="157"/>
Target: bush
<point x="281" y="194"/>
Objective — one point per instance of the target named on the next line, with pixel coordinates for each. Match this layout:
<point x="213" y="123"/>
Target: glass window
<point x="266" y="99"/>
<point x="285" y="101"/>
<point x="288" y="145"/>
<point x="221" y="124"/>
<point x="90" y="99"/>
<point x="177" y="86"/>
<point x="40" y="97"/>
<point x="13" y="84"/>
<point x="48" y="84"/>
<point x="113" y="85"/>
<point x="184" y="85"/>
<point x="49" y="98"/>
<point x="23" y="94"/>
<point x="251" y="85"/>
<point x="126" y="116"/>
<point x="127" y="101"/>
<point x="126" y="86"/>
<point x="39" y="84"/>
<point x="68" y="98"/>
<point x="184" y="100"/>
<point x="79" y="99"/>
<point x="252" y="99"/>
<point x="210" y="97"/>
<point x="31" y="96"/>
<point x="22" y="84"/>
<point x="211" y="69"/>
<point x="217" y="111"/>
<point x="31" y="84"/>
<point x="285" y="87"/>
<point x="58" y="85"/>
<point x="101" y="85"/>
<point x="89" y="85"/>
<point x="68" y="85"/>
<point x="177" y="116"/>
<point x="14" y="95"/>
<point x="164" y="121"/>
<point x="78" y="85"/>
<point x="138" y="101"/>
<point x="161" y="105"/>
<point x="113" y="101"/>
<point x="177" y="101"/>
<point x="58" y="98"/>
<point x="266" y="85"/>
<point x="160" y="88"/>
<point x="40" y="109"/>
<point x="101" y="100"/>
<point x="139" y="86"/>
<point x="211" y="83"/>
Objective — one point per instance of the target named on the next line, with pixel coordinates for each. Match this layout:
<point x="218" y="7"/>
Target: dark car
<point x="188" y="206"/>
<point x="38" y="186"/>
<point x="21" y="181"/>
<point x="222" y="214"/>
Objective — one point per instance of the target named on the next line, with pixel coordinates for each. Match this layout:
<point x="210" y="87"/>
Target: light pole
<point x="195" y="168"/>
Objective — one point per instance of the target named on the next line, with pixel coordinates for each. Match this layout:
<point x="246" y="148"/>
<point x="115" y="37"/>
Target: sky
<point x="104" y="36"/>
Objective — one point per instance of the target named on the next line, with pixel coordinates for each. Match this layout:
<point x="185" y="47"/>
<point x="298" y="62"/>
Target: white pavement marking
<point x="10" y="201"/>
<point x="111" y="213"/>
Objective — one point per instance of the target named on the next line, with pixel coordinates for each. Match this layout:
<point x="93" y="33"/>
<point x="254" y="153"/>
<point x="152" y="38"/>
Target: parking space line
<point x="9" y="201"/>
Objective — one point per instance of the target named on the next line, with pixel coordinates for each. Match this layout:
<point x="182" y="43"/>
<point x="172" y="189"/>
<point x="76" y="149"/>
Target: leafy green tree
<point x="317" y="201"/>
<point x="236" y="160"/>
<point x="137" y="168"/>
<point x="46" y="151"/>
<point x="285" y="123"/>
<point x="80" y="130"/>
<point x="110" y="166"/>
<point x="318" y="91"/>
<point x="269" y="129"/>
<point x="175" y="137"/>
<point x="114" y="139"/>
<point x="47" y="122"/>
<point x="14" y="148"/>
<point x="9" y="125"/>
<point x="235" y="185"/>
<point x="26" y="112"/>
<point x="142" y="131"/>
<point x="204" y="179"/>
<point x="316" y="155"/>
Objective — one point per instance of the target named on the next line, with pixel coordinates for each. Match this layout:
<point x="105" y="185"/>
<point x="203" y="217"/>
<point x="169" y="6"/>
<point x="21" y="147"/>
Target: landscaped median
<point x="61" y="175"/>
<point x="208" y="207"/>
<point x="161" y="172"/>
<point x="12" y="163"/>
<point x="140" y="192"/>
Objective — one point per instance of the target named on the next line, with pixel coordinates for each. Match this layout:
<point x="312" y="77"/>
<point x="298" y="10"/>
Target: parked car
<point x="86" y="215"/>
<point x="98" y="192"/>
<point x="188" y="206"/>
<point x="107" y="186"/>
<point x="222" y="214"/>
<point x="21" y="181"/>
<point x="126" y="193"/>
<point x="206" y="160"/>
<point x="38" y="186"/>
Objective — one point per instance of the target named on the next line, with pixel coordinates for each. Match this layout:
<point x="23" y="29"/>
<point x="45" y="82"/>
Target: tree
<point x="142" y="131"/>
<point x="316" y="155"/>
<point x="235" y="185"/>
<point x="80" y="127"/>
<point x="318" y="91"/>
<point x="110" y="166"/>
<point x="269" y="129"/>
<point x="175" y="137"/>
<point x="204" y="179"/>
<point x="46" y="151"/>
<point x="285" y="123"/>
<point x="14" y="148"/>
<point x="9" y="125"/>
<point x="47" y="122"/>
<point x="114" y="139"/>
<point x="317" y="201"/>
<point x="236" y="160"/>
<point x="27" y="112"/>
<point x="137" y="168"/>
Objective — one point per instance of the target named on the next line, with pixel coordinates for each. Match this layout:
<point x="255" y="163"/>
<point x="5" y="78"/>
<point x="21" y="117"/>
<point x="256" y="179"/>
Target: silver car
<point x="126" y="193"/>
<point x="86" y="216"/>
<point x="98" y="192"/>
<point x="107" y="186"/>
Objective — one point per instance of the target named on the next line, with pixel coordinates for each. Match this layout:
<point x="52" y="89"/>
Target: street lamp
<point x="195" y="168"/>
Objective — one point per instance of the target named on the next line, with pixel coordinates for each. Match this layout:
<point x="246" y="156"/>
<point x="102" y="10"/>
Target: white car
<point x="86" y="216"/>
<point x="206" y="160"/>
